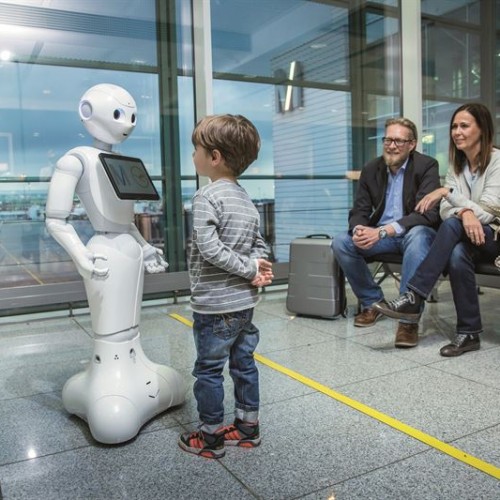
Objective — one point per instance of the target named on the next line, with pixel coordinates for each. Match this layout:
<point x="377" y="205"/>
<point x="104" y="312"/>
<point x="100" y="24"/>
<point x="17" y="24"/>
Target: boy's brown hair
<point x="234" y="136"/>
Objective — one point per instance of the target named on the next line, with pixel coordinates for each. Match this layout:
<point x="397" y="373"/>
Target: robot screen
<point x="129" y="177"/>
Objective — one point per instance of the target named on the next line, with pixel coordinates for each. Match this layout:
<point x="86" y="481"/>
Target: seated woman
<point x="472" y="186"/>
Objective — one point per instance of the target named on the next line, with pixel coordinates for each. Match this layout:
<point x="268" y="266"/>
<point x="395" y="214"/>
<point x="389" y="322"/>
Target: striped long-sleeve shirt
<point x="226" y="243"/>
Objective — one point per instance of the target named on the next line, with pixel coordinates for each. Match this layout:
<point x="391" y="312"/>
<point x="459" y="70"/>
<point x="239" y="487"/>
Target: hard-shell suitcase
<point x="316" y="283"/>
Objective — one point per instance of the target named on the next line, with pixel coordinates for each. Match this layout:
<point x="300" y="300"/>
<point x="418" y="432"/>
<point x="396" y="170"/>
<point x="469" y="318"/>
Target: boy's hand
<point x="265" y="274"/>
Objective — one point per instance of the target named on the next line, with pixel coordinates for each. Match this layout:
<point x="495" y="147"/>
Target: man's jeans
<point x="452" y="252"/>
<point x="413" y="246"/>
<point x="219" y="337"/>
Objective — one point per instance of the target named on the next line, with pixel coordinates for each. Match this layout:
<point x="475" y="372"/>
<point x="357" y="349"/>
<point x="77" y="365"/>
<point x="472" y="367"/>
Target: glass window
<point x="113" y="31"/>
<point x="387" y="3"/>
<point x="49" y="56"/>
<point x="436" y="135"/>
<point x="40" y="123"/>
<point x="318" y="78"/>
<point x="248" y="36"/>
<point x="287" y="66"/>
<point x="186" y="124"/>
<point x="452" y="64"/>
<point x="453" y="10"/>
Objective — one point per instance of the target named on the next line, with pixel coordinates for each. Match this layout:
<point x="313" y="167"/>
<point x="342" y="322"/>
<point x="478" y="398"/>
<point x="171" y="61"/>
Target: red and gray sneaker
<point x="203" y="444"/>
<point x="242" y="434"/>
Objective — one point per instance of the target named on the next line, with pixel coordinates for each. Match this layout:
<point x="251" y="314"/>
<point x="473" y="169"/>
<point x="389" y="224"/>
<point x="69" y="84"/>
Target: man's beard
<point x="393" y="161"/>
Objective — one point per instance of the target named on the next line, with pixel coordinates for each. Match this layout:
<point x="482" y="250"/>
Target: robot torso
<point x="106" y="212"/>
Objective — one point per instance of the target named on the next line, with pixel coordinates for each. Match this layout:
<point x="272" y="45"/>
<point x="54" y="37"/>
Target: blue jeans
<point x="412" y="245"/>
<point x="219" y="337"/>
<point x="453" y="253"/>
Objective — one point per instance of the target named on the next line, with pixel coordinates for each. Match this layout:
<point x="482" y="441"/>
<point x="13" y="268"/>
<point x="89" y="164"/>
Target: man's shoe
<point x="460" y="344"/>
<point x="406" y="335"/>
<point x="368" y="317"/>
<point x="406" y="306"/>
<point x="203" y="444"/>
<point x="242" y="434"/>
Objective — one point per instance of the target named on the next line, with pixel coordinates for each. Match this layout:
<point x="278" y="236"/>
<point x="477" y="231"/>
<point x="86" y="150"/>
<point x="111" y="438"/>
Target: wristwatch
<point x="382" y="234"/>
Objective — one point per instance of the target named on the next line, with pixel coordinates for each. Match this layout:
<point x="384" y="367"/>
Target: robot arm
<point x="153" y="257"/>
<point x="84" y="260"/>
<point x="59" y="203"/>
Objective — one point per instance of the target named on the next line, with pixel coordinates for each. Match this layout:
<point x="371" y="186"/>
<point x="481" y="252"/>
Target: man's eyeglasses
<point x="398" y="142"/>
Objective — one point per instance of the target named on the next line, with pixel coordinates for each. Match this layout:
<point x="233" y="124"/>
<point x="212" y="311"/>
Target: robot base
<point x="121" y="390"/>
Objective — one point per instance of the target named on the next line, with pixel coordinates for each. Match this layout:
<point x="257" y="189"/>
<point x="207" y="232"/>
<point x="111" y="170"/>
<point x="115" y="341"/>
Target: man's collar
<point x="401" y="168"/>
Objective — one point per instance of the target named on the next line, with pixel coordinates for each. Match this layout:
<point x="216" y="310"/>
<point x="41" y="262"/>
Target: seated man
<point x="384" y="220"/>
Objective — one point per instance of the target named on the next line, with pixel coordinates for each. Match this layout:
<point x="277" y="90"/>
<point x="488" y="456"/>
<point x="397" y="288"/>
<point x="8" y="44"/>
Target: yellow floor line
<point x="429" y="440"/>
<point x="182" y="319"/>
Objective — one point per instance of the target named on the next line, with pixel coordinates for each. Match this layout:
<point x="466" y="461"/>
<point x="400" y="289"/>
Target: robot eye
<point x="117" y="114"/>
<point x="133" y="118"/>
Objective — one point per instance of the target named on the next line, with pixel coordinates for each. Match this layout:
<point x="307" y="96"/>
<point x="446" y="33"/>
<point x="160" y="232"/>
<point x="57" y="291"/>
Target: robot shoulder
<point x="70" y="164"/>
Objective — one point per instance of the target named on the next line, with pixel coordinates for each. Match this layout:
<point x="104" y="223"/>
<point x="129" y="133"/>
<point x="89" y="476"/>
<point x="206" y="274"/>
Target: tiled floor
<point x="315" y="444"/>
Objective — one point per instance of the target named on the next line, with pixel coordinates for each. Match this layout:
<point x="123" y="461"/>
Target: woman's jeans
<point x="453" y="253"/>
<point x="413" y="246"/>
<point x="219" y="337"/>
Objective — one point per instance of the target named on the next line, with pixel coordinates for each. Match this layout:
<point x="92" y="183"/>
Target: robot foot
<point x="173" y="392"/>
<point x="121" y="390"/>
<point x="114" y="419"/>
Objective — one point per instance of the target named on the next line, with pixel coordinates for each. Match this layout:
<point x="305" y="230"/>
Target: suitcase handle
<point x="321" y="235"/>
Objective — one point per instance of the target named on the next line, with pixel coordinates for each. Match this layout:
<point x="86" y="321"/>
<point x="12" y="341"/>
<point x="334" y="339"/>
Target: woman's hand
<point x="431" y="200"/>
<point x="473" y="228"/>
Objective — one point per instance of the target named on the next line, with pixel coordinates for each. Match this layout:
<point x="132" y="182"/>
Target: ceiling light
<point x="5" y="55"/>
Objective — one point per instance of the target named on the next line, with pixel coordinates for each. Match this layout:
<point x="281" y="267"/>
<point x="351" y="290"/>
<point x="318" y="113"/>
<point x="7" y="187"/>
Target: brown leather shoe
<point x="368" y="317"/>
<point x="406" y="335"/>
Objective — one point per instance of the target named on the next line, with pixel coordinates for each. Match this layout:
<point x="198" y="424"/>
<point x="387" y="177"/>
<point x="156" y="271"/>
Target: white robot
<point x="121" y="389"/>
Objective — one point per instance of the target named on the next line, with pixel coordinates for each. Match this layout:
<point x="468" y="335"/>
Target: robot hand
<point x="153" y="260"/>
<point x="87" y="268"/>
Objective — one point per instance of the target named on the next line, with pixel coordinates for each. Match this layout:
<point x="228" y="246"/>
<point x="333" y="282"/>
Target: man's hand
<point x="365" y="237"/>
<point x="431" y="199"/>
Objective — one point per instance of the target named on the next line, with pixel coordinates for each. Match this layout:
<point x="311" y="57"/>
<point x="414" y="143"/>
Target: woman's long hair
<point x="484" y="121"/>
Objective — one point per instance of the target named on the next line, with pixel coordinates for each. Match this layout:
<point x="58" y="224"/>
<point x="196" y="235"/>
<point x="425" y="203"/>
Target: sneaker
<point x="407" y="306"/>
<point x="241" y="434"/>
<point x="203" y="444"/>
<point x="460" y="344"/>
<point x="406" y="335"/>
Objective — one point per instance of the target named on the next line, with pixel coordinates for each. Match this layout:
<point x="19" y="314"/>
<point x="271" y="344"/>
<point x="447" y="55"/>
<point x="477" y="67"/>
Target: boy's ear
<point x="216" y="156"/>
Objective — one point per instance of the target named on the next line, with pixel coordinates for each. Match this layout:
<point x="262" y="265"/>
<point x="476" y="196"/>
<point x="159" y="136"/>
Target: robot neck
<point x="102" y="145"/>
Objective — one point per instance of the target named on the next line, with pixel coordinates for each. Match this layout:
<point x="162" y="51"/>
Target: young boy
<point x="227" y="265"/>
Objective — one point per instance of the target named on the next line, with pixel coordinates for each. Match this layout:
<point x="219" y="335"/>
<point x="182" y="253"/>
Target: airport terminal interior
<point x="344" y="414"/>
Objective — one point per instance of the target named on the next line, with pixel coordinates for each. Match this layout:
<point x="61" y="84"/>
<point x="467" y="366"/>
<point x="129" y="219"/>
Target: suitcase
<point x="316" y="283"/>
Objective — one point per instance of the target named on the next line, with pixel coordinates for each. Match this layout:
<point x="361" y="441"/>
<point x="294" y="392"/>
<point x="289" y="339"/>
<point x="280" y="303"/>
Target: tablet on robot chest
<point x="129" y="177"/>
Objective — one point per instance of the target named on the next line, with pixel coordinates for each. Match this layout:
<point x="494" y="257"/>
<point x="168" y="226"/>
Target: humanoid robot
<point x="121" y="389"/>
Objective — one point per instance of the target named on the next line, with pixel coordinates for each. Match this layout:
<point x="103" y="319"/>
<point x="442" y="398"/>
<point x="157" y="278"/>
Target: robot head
<point x="108" y="112"/>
